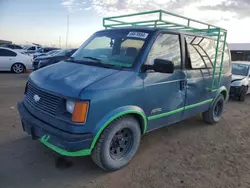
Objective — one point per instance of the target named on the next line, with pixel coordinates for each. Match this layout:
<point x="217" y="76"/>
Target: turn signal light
<point x="80" y="112"/>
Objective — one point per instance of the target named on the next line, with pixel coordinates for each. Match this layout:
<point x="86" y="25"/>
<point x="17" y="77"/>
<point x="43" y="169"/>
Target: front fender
<point x="106" y="120"/>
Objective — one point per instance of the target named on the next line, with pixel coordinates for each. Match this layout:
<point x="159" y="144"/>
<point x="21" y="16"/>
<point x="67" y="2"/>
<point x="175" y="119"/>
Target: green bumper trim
<point x="113" y="118"/>
<point x="179" y="110"/>
<point x="45" y="140"/>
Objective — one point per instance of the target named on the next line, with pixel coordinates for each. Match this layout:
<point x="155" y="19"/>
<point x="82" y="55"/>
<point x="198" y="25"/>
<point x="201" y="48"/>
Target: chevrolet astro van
<point x="126" y="81"/>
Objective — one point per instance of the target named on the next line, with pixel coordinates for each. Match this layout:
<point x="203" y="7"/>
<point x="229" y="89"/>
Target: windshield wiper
<point x="99" y="62"/>
<point x="71" y="59"/>
<point x="93" y="58"/>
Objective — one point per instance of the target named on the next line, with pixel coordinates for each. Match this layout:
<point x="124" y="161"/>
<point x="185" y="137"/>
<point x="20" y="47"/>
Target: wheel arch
<point x="134" y="111"/>
<point x="222" y="90"/>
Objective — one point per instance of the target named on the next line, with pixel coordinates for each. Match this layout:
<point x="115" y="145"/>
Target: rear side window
<point x="167" y="47"/>
<point x="227" y="60"/>
<point x="7" y="53"/>
<point x="32" y="48"/>
<point x="17" y="47"/>
<point x="202" y="51"/>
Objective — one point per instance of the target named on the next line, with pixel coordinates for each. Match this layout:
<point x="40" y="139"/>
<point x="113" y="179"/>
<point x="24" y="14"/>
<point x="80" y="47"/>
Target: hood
<point x="237" y="77"/>
<point x="69" y="79"/>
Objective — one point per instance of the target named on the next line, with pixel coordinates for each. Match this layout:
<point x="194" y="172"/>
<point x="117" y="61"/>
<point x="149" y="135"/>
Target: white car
<point x="11" y="60"/>
<point x="30" y="49"/>
<point x="240" y="84"/>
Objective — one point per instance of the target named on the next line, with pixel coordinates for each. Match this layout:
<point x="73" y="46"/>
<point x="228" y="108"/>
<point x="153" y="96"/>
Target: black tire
<point x="18" y="68"/>
<point x="103" y="154"/>
<point x="243" y="94"/>
<point x="214" y="113"/>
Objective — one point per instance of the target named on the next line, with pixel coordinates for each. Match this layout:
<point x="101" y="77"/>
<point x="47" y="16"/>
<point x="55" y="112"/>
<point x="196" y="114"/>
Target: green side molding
<point x="179" y="110"/>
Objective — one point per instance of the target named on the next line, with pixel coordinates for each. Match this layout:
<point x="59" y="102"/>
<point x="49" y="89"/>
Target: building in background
<point x="5" y="42"/>
<point x="240" y="51"/>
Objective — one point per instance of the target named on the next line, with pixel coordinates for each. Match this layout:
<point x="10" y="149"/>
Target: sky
<point x="45" y="21"/>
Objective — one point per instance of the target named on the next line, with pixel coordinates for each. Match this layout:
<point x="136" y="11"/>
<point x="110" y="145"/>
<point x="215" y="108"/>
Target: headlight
<point x="237" y="83"/>
<point x="79" y="110"/>
<point x="70" y="105"/>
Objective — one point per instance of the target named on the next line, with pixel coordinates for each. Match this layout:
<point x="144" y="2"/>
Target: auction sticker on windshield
<point x="141" y="35"/>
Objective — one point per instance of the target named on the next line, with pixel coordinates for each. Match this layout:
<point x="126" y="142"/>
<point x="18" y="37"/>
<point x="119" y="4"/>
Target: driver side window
<point x="167" y="47"/>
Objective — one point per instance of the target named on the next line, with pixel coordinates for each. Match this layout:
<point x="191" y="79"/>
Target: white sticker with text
<point x="138" y="35"/>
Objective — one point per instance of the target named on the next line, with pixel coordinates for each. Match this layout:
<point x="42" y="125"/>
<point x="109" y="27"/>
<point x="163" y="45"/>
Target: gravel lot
<point x="188" y="154"/>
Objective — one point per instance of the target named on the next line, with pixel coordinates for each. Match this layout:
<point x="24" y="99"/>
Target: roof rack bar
<point x="117" y="21"/>
<point x="131" y="23"/>
<point x="189" y="19"/>
<point x="135" y="14"/>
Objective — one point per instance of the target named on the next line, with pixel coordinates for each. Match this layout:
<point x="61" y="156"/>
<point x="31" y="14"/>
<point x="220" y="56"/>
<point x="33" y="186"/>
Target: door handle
<point x="183" y="84"/>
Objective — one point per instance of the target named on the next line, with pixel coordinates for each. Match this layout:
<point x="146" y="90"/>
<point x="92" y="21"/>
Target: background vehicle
<point x="240" y="80"/>
<point x="10" y="60"/>
<point x="124" y="82"/>
<point x="43" y="51"/>
<point x="13" y="46"/>
<point x="30" y="49"/>
<point x="44" y="61"/>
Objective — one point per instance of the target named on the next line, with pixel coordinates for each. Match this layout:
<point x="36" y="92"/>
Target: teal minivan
<point x="126" y="81"/>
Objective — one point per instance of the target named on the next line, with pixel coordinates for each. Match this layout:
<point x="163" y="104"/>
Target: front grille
<point x="47" y="102"/>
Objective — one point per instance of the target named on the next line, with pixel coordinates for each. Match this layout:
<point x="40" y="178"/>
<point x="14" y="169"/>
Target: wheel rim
<point x="18" y="68"/>
<point x="218" y="108"/>
<point x="121" y="144"/>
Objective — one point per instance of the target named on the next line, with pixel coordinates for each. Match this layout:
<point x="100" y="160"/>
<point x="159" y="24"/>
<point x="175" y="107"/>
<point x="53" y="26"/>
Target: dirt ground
<point x="189" y="154"/>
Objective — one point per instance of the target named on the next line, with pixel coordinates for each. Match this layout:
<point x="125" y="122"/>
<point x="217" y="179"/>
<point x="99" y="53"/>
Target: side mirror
<point x="164" y="66"/>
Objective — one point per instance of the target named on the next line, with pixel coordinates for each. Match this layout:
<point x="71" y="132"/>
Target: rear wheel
<point x="243" y="94"/>
<point x="18" y="68"/>
<point x="117" y="144"/>
<point x="214" y="113"/>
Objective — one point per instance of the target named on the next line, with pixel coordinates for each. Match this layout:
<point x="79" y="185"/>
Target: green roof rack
<point x="171" y="21"/>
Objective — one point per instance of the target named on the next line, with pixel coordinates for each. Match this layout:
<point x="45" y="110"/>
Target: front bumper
<point x="60" y="141"/>
<point x="235" y="91"/>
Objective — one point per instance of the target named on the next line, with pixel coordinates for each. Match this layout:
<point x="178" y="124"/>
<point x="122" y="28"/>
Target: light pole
<point x="67" y="31"/>
<point x="59" y="41"/>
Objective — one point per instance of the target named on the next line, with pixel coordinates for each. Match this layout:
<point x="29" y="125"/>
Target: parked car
<point x="11" y="60"/>
<point x="12" y="46"/>
<point x="44" y="61"/>
<point x="240" y="80"/>
<point x="125" y="82"/>
<point x="30" y="49"/>
<point x="43" y="51"/>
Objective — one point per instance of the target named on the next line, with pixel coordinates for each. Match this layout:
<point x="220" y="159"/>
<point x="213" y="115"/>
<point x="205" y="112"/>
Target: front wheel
<point x="214" y="113"/>
<point x="243" y="94"/>
<point x="117" y="144"/>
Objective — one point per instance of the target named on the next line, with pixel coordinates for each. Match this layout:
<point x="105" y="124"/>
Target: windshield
<point x="112" y="47"/>
<point x="63" y="52"/>
<point x="52" y="52"/>
<point x="40" y="50"/>
<point x="240" y="69"/>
